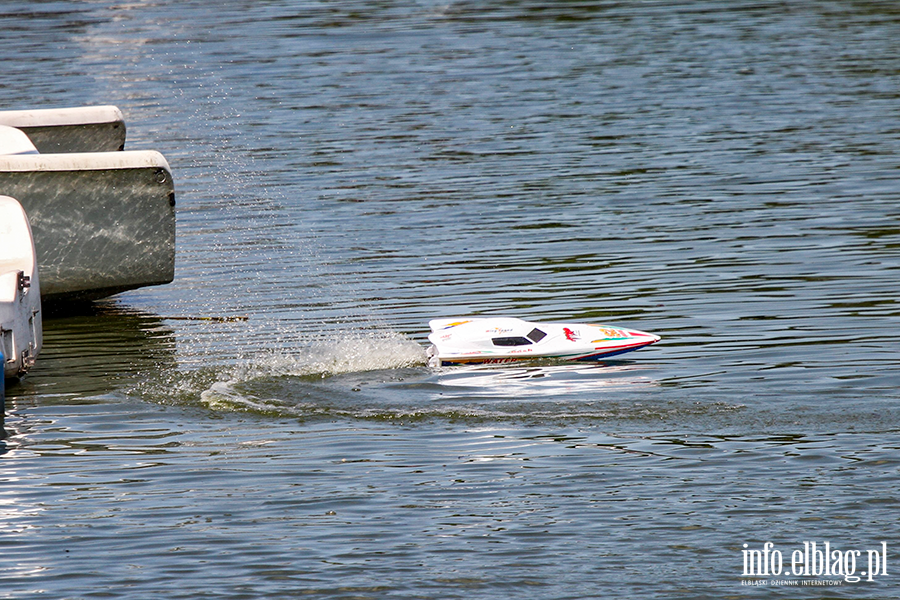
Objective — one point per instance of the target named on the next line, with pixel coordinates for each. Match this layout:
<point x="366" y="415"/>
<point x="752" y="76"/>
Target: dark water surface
<point x="723" y="174"/>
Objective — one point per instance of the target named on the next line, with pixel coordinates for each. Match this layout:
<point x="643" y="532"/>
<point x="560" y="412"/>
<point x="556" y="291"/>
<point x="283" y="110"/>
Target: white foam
<point x="353" y="353"/>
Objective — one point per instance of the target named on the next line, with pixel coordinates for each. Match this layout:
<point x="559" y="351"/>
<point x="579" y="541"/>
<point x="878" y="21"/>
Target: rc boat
<point x="507" y="339"/>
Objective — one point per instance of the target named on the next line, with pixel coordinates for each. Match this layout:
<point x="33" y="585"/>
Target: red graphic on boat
<point x="570" y="335"/>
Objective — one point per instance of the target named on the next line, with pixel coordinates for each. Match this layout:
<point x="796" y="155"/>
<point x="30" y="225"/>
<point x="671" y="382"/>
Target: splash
<point x="354" y="353"/>
<point x="348" y="354"/>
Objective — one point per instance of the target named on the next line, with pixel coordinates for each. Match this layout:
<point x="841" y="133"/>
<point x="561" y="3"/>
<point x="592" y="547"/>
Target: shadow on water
<point x="92" y="352"/>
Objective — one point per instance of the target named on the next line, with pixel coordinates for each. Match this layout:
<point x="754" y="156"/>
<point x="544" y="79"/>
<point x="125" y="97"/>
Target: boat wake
<point x="351" y="354"/>
<point x="382" y="376"/>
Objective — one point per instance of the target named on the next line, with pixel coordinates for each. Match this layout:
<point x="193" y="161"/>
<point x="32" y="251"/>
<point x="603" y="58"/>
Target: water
<point x="721" y="174"/>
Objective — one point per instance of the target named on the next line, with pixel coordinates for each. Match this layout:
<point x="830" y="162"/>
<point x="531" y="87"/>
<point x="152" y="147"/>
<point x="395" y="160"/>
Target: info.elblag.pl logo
<point x="815" y="560"/>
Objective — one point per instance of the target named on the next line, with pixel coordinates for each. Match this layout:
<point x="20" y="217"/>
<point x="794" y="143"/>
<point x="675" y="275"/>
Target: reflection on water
<point x="102" y="349"/>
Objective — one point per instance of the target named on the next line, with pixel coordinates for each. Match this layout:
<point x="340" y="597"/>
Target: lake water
<point x="722" y="174"/>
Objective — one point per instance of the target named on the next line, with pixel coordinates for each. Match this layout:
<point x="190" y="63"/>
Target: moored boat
<point x="103" y="222"/>
<point x="21" y="330"/>
<point x="77" y="129"/>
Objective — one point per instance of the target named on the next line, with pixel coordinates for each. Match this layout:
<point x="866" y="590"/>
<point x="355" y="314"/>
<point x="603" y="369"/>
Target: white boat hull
<point x="104" y="222"/>
<point x="21" y="332"/>
<point x="505" y="339"/>
<point x="79" y="129"/>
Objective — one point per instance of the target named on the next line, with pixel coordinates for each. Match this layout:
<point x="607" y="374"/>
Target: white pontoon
<point x="20" y="292"/>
